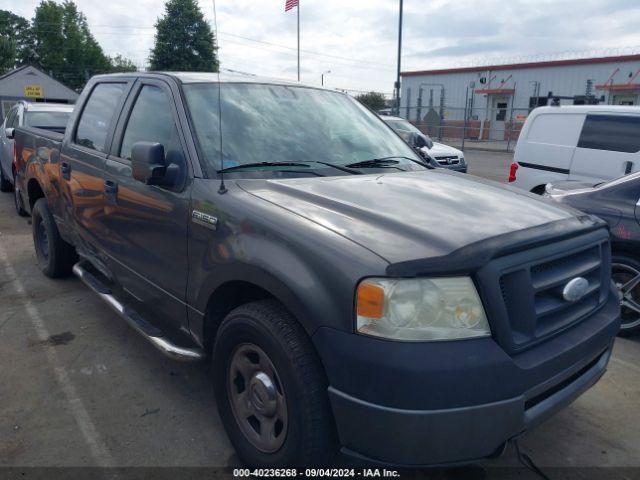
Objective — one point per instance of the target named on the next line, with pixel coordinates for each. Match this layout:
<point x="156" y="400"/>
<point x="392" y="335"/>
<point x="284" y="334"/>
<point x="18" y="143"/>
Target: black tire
<point x="55" y="256"/>
<point x="5" y="184"/>
<point x="539" y="190"/>
<point x="624" y="269"/>
<point x="17" y="200"/>
<point x="299" y="378"/>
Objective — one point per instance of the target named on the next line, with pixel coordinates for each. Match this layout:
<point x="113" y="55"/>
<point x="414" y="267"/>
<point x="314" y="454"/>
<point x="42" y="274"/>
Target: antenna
<point x="222" y="189"/>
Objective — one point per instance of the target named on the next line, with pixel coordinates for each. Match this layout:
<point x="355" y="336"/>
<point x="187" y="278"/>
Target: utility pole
<point x="298" y="9"/>
<point x="397" y="85"/>
<point x="322" y="77"/>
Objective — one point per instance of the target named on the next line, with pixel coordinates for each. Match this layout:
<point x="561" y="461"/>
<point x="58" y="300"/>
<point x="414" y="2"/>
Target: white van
<point x="586" y="142"/>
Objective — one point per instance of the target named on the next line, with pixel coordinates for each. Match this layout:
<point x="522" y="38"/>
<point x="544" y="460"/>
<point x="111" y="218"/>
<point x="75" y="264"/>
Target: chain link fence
<point x="495" y="128"/>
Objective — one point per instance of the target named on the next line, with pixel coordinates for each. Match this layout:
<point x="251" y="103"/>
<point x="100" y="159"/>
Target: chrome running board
<point x="151" y="333"/>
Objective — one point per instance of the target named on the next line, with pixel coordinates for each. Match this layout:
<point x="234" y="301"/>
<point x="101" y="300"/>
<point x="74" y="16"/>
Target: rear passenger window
<point x="98" y="114"/>
<point x="556" y="129"/>
<point x="616" y="133"/>
<point x="151" y="120"/>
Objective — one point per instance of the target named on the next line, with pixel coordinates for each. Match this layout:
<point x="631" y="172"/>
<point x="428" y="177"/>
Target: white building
<point x="497" y="99"/>
<point x="29" y="83"/>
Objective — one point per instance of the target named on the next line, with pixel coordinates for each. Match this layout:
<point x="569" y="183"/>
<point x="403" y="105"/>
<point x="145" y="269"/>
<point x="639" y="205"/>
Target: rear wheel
<point x="625" y="272"/>
<point x="5" y="184"/>
<point x="17" y="200"/>
<point x="271" y="390"/>
<point x="55" y="256"/>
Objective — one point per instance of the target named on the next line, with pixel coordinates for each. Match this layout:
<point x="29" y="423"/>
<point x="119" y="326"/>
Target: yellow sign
<point x="33" y="91"/>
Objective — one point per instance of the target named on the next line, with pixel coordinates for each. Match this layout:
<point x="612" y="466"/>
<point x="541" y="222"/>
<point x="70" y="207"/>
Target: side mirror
<point x="148" y="164"/>
<point x="9" y="132"/>
<point x="429" y="143"/>
<point x="419" y="141"/>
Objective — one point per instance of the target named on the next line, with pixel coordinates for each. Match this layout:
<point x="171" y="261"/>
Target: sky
<point x="356" y="40"/>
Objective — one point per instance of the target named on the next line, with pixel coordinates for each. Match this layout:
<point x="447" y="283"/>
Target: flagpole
<point x="298" y="40"/>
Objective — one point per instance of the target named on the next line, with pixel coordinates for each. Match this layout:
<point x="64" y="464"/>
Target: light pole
<point x="397" y="85"/>
<point x="322" y="77"/>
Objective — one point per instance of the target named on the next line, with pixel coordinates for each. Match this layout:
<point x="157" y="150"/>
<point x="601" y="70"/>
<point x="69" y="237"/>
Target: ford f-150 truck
<point x="348" y="296"/>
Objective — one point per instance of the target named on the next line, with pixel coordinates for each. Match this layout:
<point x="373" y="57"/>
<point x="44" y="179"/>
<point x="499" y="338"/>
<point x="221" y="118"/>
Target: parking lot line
<point x="97" y="447"/>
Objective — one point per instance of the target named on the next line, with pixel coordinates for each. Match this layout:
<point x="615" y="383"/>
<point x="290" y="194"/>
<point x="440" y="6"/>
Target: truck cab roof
<point x="212" y="77"/>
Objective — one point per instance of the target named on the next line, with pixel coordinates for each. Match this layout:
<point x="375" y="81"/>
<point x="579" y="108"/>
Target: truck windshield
<point x="55" y="120"/>
<point x="278" y="123"/>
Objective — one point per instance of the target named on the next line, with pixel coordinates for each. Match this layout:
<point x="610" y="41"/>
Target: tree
<point x="184" y="40"/>
<point x="121" y="64"/>
<point x="374" y="100"/>
<point x="16" y="41"/>
<point x="66" y="48"/>
<point x="7" y="54"/>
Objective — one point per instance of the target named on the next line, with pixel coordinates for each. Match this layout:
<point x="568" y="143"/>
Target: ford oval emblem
<point x="575" y="289"/>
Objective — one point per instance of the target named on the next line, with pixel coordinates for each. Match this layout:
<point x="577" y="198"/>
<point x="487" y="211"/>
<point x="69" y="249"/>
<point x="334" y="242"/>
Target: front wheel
<point x="625" y="272"/>
<point x="55" y="256"/>
<point x="271" y="390"/>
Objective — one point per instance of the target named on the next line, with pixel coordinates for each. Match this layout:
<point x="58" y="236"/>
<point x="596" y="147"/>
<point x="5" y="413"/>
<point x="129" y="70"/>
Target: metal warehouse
<point x="492" y="102"/>
<point x="29" y="83"/>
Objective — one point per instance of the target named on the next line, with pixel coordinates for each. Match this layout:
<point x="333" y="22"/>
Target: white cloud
<point x="356" y="40"/>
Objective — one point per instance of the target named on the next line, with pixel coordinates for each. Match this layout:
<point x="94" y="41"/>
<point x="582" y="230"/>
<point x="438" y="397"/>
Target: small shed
<point x="30" y="84"/>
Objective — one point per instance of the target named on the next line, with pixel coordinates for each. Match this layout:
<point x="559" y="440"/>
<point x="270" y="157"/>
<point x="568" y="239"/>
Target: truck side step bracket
<point x="151" y="333"/>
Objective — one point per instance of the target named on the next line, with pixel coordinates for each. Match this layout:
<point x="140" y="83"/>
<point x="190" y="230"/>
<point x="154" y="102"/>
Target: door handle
<point x="110" y="191"/>
<point x="110" y="187"/>
<point x="65" y="170"/>
<point x="627" y="167"/>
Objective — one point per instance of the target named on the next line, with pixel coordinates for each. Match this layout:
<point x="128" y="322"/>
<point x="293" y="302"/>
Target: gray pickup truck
<point x="348" y="297"/>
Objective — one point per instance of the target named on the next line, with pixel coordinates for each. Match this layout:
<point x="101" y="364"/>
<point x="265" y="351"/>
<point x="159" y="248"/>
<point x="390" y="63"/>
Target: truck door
<point x="147" y="224"/>
<point x="82" y="160"/>
<point x="608" y="147"/>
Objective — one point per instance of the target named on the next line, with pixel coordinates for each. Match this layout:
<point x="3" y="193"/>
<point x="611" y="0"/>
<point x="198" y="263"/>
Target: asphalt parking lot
<point x="78" y="387"/>
<point x="487" y="164"/>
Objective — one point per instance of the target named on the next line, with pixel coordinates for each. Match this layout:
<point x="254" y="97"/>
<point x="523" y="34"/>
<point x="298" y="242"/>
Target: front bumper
<point x="457" y="168"/>
<point x="417" y="404"/>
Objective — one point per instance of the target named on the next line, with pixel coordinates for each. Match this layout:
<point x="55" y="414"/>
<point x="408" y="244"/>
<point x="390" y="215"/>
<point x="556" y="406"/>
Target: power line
<point x="221" y="33"/>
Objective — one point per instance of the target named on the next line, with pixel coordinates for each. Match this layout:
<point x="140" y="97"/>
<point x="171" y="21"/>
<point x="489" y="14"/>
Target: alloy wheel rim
<point x="257" y="398"/>
<point x="627" y="282"/>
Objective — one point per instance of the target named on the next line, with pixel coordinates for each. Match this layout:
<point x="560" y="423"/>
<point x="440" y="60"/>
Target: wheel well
<point x="539" y="190"/>
<point x="624" y="250"/>
<point x="224" y="299"/>
<point x="34" y="192"/>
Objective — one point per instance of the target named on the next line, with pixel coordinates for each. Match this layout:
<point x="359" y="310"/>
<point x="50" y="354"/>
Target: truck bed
<point x="37" y="156"/>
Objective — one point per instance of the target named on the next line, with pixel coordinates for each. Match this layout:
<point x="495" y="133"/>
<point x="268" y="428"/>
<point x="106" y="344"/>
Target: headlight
<point x="420" y="309"/>
<point x="461" y="159"/>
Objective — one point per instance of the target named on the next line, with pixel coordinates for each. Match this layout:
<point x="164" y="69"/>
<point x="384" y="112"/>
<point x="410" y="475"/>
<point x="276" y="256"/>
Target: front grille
<point x="529" y="287"/>
<point x="448" y="160"/>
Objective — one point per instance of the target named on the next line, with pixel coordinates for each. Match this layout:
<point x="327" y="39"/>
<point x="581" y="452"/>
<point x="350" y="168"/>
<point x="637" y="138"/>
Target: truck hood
<point x="442" y="149"/>
<point x="407" y="216"/>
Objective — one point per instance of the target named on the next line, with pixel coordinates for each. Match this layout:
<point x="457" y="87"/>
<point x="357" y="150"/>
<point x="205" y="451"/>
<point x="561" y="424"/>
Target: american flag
<point x="289" y="4"/>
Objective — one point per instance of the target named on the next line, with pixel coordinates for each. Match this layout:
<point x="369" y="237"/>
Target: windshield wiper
<point x="263" y="164"/>
<point x="385" y="162"/>
<point x="338" y="167"/>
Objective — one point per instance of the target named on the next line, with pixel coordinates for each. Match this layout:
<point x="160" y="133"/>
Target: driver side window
<point x="151" y="120"/>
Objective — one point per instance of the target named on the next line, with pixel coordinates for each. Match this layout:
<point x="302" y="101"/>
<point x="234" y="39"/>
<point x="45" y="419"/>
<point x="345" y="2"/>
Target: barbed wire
<point x="540" y="57"/>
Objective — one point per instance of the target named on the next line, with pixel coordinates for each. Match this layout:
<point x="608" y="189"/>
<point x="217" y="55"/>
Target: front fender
<point x="312" y="305"/>
<point x="310" y="269"/>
